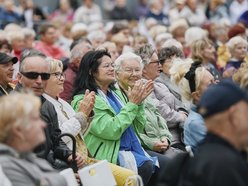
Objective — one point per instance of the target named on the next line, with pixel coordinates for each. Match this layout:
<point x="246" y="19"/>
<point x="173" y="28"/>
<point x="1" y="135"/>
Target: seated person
<point x="74" y="123"/>
<point x="193" y="79"/>
<point x="21" y="130"/>
<point x="156" y="135"/>
<point x="34" y="73"/>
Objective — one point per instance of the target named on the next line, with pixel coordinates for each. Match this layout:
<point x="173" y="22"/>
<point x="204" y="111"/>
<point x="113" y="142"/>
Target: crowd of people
<point x="135" y="89"/>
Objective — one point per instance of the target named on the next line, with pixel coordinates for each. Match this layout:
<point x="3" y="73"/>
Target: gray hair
<point x="29" y="53"/>
<point x="28" y="32"/>
<point x="125" y="57"/>
<point x="145" y="52"/>
<point x="168" y="53"/>
<point x="78" y="51"/>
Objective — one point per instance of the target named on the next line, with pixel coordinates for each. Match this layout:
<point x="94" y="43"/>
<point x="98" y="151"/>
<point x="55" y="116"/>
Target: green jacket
<point x="156" y="128"/>
<point x="103" y="138"/>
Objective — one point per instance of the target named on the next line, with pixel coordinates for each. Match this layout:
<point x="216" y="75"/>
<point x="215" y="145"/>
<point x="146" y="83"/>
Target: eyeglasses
<point x="35" y="75"/>
<point x="58" y="75"/>
<point x="131" y="71"/>
<point x="157" y="61"/>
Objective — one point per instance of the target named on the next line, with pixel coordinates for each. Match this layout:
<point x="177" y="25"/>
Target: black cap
<point x="219" y="97"/>
<point x="4" y="58"/>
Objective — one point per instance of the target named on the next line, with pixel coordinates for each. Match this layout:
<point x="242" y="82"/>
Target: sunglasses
<point x="35" y="75"/>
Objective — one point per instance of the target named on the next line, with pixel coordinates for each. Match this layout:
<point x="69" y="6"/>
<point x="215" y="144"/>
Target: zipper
<point x="97" y="149"/>
<point x="113" y="152"/>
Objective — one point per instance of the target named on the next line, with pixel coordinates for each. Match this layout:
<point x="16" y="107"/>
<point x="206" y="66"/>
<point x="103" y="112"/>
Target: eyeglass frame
<point x="131" y="71"/>
<point x="58" y="75"/>
<point x="156" y="61"/>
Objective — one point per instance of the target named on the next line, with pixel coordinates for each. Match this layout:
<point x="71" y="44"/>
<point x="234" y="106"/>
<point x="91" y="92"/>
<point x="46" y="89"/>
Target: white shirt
<point x="71" y="125"/>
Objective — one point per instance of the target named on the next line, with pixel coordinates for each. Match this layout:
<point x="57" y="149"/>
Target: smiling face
<point x="239" y="51"/>
<point x="105" y="73"/>
<point x="130" y="72"/>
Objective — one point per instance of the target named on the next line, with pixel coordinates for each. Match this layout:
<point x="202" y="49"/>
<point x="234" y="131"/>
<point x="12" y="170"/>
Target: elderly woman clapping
<point x="117" y="117"/>
<point x="155" y="137"/>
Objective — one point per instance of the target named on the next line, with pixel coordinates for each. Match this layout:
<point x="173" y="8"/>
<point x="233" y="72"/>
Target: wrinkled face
<point x="129" y="73"/>
<point x="239" y="52"/>
<point x="6" y="73"/>
<point x="37" y="65"/>
<point x="209" y="53"/>
<point x="152" y="70"/>
<point x="105" y="73"/>
<point x="50" y="36"/>
<point x="55" y="84"/>
<point x="33" y="134"/>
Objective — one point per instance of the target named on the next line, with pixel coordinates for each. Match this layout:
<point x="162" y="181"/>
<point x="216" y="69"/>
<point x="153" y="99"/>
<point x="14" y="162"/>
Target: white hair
<point x="194" y="33"/>
<point x="95" y="35"/>
<point x="28" y="32"/>
<point x="172" y="42"/>
<point x="231" y="44"/>
<point x="125" y="57"/>
<point x="78" y="27"/>
<point x="163" y="37"/>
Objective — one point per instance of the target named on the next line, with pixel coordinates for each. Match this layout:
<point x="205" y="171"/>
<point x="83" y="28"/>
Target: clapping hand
<point x="87" y="104"/>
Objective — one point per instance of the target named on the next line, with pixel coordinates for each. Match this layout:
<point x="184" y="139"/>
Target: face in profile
<point x="6" y="73"/>
<point x="152" y="70"/>
<point x="105" y="73"/>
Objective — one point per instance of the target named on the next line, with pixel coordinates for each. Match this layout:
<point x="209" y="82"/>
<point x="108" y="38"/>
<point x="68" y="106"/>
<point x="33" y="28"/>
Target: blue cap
<point x="220" y="97"/>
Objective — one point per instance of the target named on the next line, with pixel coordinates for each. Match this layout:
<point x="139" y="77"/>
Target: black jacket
<point x="55" y="151"/>
<point x="217" y="163"/>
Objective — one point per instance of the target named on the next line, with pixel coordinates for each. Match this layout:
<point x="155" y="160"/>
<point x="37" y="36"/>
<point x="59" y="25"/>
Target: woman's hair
<point x="233" y="42"/>
<point x="15" y="35"/>
<point x="145" y="52"/>
<point x="125" y="57"/>
<point x="179" y="71"/>
<point x="241" y="76"/>
<point x="88" y="67"/>
<point x="5" y="43"/>
<point x="55" y="65"/>
<point x="15" y="110"/>
<point x="168" y="53"/>
<point x="197" y="48"/>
